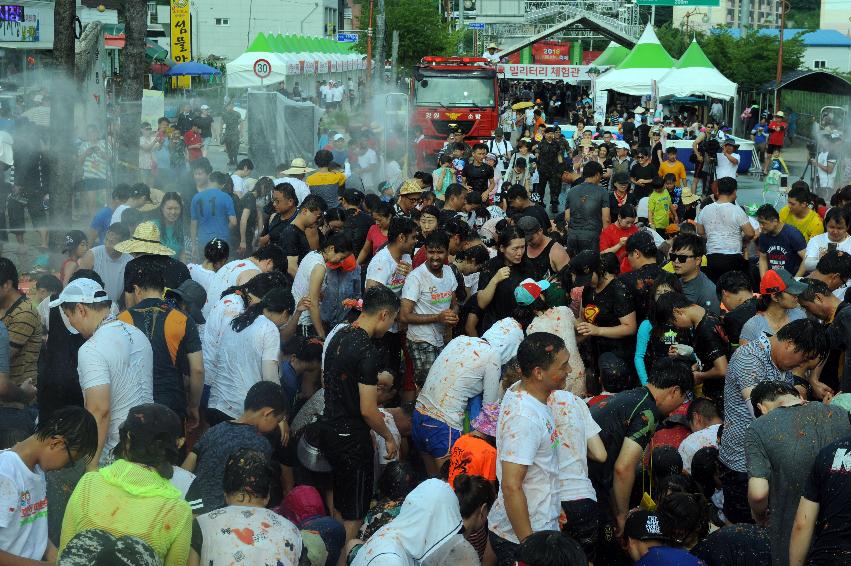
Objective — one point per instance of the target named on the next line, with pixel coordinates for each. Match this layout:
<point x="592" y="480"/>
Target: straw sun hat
<point x="145" y="240"/>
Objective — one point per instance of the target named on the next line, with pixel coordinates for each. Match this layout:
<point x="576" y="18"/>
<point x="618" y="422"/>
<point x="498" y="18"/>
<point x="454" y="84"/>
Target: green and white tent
<point x="283" y="56"/>
<point x="647" y="62"/>
<point x="695" y="75"/>
<point x="611" y="56"/>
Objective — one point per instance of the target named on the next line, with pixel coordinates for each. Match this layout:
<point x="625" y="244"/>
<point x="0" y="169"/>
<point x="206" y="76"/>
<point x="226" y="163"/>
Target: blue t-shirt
<point x="759" y="137"/>
<point x="782" y="249"/>
<point x="211" y="209"/>
<point x="669" y="556"/>
<point x="100" y="223"/>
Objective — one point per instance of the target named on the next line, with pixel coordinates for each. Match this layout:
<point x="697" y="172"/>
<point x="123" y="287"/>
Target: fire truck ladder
<point x="614" y="19"/>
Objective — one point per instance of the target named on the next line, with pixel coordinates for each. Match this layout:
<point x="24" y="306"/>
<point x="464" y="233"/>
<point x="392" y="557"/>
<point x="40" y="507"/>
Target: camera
<point x="811" y="149"/>
<point x="712" y="146"/>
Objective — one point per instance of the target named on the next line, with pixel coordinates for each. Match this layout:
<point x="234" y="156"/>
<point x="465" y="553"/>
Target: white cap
<point x="81" y="290"/>
<point x="339" y="137"/>
<point x="622" y="144"/>
<point x="204" y="107"/>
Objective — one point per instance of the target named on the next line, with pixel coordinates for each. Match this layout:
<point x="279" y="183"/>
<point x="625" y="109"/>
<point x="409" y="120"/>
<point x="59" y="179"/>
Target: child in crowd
<point x="76" y="246"/>
<point x="659" y="207"/>
<point x="45" y="286"/>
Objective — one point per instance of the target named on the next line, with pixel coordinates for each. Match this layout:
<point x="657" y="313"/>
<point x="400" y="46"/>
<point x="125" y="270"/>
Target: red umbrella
<point x="159" y="68"/>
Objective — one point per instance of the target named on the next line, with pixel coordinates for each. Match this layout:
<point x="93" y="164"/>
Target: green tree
<point x="421" y="28"/>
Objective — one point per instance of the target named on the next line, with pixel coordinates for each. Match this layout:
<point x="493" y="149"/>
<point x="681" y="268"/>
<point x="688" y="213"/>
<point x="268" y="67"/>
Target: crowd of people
<point x="544" y="352"/>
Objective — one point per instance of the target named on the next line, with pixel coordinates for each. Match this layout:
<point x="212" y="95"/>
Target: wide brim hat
<point x="145" y="240"/>
<point x="688" y="196"/>
<point x="298" y="166"/>
<point x="154" y="202"/>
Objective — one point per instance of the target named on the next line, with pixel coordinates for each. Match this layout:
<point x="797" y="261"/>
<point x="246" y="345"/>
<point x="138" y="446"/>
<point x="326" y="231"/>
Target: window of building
<point x="222" y="21"/>
<point x="152" y="13"/>
<point x="819" y="64"/>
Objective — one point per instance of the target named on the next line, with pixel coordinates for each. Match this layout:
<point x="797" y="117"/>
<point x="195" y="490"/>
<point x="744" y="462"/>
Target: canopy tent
<point x="612" y="56"/>
<point x="192" y="69"/>
<point x="694" y="74"/>
<point x="311" y="58"/>
<point x="647" y="62"/>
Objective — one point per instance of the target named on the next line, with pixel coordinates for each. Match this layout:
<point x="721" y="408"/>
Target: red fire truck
<point x="454" y="94"/>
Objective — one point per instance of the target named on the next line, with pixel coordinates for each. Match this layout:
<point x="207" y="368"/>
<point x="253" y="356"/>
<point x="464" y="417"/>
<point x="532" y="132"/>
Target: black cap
<point x="193" y="296"/>
<point x="583" y="265"/>
<point x="353" y="196"/>
<point x="140" y="190"/>
<point x="528" y="226"/>
<point x="643" y="525"/>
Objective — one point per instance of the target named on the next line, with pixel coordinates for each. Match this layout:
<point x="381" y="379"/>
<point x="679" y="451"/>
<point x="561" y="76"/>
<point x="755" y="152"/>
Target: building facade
<point x="763" y="14"/>
<point x="836" y="14"/>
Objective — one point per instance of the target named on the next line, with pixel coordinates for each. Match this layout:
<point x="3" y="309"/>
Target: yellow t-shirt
<point x="810" y="226"/>
<point x="677" y="168"/>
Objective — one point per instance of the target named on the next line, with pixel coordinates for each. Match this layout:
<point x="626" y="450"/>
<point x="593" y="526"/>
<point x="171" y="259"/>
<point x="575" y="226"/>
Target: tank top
<point x="111" y="271"/>
<point x="541" y="263"/>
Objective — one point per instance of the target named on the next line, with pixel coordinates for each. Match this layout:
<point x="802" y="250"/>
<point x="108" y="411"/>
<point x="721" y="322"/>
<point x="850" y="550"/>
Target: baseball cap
<point x="204" y="107"/>
<point x="582" y="266"/>
<point x="498" y="131"/>
<point x="339" y="137"/>
<point x="528" y="226"/>
<point x="529" y="290"/>
<point x="643" y="525"/>
<point x="622" y="144"/>
<point x="193" y="296"/>
<point x="83" y="290"/>
<point x="778" y="281"/>
<point x="353" y="196"/>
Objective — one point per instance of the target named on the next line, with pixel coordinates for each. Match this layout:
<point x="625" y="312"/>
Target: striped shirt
<point x="96" y="163"/>
<point x="750" y="365"/>
<point x="24" y="326"/>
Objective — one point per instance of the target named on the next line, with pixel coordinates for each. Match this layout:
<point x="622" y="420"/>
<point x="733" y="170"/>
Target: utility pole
<point x="461" y="26"/>
<point x="379" y="42"/>
<point x="394" y="54"/>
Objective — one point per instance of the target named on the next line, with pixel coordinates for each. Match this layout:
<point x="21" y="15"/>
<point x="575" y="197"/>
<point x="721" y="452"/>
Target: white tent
<point x="240" y="71"/>
<point x="648" y="61"/>
<point x="693" y="75"/>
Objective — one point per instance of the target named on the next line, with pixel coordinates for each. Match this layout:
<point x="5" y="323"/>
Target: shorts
<point x="580" y="521"/>
<point x="351" y="455"/>
<point x="772" y="148"/>
<point x="16" y="207"/>
<point x="86" y="185"/>
<point x="431" y="436"/>
<point x="422" y="356"/>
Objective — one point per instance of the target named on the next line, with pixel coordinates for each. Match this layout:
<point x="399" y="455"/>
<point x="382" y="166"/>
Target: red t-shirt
<point x="376" y="237"/>
<point x="472" y="456"/>
<point x="776" y="136"/>
<point x="611" y="236"/>
<point x="193" y="138"/>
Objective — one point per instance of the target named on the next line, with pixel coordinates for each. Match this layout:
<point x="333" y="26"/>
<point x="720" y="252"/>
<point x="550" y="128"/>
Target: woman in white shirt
<point x="249" y="351"/>
<point x="836" y="223"/>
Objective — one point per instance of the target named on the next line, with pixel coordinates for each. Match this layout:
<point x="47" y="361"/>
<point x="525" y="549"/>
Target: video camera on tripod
<point x="812" y="149"/>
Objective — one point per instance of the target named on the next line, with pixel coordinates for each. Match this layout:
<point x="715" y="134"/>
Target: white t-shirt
<point x="118" y="355"/>
<point x="225" y="278"/>
<point x="431" y="295"/>
<point x="817" y="245"/>
<point x="111" y="271"/>
<point x="726" y="169"/>
<point x="695" y="441"/>
<point x="575" y="427"/>
<point x="526" y="434"/>
<point x="384" y="269"/>
<point x="271" y="538"/>
<point x="238" y="184"/>
<point x="641" y="209"/>
<point x="301" y="188"/>
<point x="301" y="282"/>
<point x="826" y="179"/>
<point x="561" y="322"/>
<point x="23" y="508"/>
<point x="450" y="385"/>
<point x="327" y="93"/>
<point x="337" y="93"/>
<point x="201" y="275"/>
<point x="238" y="363"/>
<point x="221" y="315"/>
<point x="723" y="223"/>
<point x="368" y="158"/>
<point x="116" y="214"/>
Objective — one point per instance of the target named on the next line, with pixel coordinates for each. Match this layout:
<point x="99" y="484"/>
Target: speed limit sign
<point x="262" y="68"/>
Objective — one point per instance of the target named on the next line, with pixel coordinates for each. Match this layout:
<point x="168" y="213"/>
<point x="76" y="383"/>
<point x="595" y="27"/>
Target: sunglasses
<point x="680" y="258"/>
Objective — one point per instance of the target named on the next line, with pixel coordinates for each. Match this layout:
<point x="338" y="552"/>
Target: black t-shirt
<point x="503" y="303"/>
<point x="536" y="211"/>
<point x="58" y="381"/>
<point x="604" y="309"/>
<point x="735" y="545"/>
<point x="350" y="359"/>
<point x="205" y="123"/>
<point x="643" y="135"/>
<point x="356" y="226"/>
<point x="640" y="283"/>
<point x="477" y="176"/>
<point x="654" y="154"/>
<point x="447" y="214"/>
<point x="294" y="242"/>
<point x="275" y="226"/>
<point x="709" y="340"/>
<point x="631" y="414"/>
<point x="640" y="172"/>
<point x="247" y="202"/>
<point x="614" y="206"/>
<point x="829" y="485"/>
<point x="735" y="319"/>
<point x="628" y="132"/>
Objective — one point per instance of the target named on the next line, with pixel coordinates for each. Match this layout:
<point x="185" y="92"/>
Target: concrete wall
<point x="835" y="58"/>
